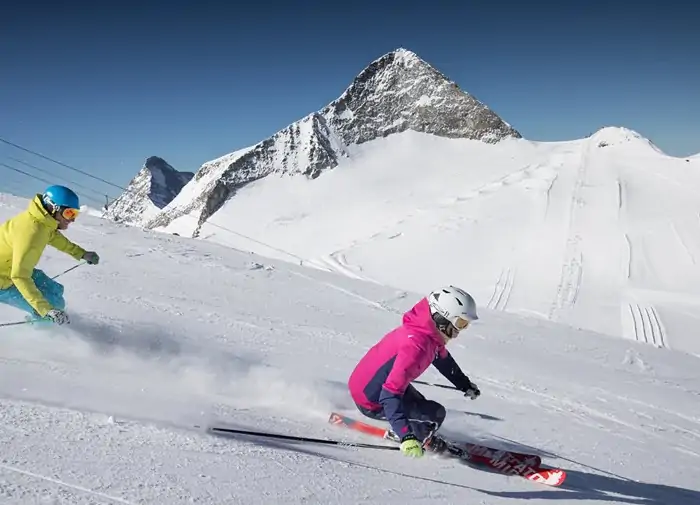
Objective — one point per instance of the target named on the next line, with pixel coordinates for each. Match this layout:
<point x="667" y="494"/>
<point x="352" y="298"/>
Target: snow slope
<point x="170" y="332"/>
<point x="600" y="233"/>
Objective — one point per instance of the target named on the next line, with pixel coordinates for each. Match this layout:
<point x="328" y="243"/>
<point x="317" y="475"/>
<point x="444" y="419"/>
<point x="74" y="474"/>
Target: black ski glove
<point x="91" y="257"/>
<point x="472" y="391"/>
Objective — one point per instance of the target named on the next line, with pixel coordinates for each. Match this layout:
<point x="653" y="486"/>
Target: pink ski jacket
<point x="398" y="358"/>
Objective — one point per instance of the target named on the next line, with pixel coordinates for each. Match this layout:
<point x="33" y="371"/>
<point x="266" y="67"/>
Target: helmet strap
<point x="444" y="326"/>
<point x="49" y="206"/>
<point x="54" y="210"/>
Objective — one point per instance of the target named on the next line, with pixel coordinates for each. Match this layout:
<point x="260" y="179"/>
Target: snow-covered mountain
<point x="395" y="93"/>
<point x="152" y="189"/>
<point x="599" y="233"/>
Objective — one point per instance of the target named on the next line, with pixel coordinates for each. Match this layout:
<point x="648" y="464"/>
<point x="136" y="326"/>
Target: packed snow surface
<point x="170" y="333"/>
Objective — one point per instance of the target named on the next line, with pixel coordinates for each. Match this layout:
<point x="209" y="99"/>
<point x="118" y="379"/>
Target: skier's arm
<point x="60" y="242"/>
<point x="25" y="255"/>
<point x="449" y="368"/>
<point x="403" y="371"/>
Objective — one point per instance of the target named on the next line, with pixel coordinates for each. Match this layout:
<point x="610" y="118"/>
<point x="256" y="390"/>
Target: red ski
<point x="524" y="465"/>
<point x="510" y="465"/>
<point x="472" y="449"/>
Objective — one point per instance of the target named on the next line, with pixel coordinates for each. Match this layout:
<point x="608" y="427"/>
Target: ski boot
<point x="435" y="444"/>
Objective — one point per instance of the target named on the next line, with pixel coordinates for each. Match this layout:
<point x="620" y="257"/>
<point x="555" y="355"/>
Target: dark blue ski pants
<point x="421" y="413"/>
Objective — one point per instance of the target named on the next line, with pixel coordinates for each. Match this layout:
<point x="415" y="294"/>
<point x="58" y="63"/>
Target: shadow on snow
<point x="579" y="485"/>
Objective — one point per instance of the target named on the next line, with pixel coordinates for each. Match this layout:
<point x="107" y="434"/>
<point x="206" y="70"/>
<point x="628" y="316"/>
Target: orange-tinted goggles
<point x="461" y="323"/>
<point x="70" y="214"/>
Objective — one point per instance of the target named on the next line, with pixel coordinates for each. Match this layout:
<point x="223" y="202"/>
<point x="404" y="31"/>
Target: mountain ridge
<point x="394" y="93"/>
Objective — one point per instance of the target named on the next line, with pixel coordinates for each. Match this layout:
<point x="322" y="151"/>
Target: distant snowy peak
<point x="618" y="136"/>
<point x="400" y="91"/>
<point x="152" y="189"/>
<point x="166" y="182"/>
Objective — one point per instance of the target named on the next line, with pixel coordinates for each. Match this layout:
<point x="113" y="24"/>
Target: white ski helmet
<point x="452" y="309"/>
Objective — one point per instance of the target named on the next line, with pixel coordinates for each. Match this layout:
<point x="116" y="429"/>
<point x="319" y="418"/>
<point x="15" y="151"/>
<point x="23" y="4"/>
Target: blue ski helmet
<point x="60" y="196"/>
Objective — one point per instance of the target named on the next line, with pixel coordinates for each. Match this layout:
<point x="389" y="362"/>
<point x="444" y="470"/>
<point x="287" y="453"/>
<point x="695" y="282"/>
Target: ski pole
<point x="13" y="324"/>
<point x="68" y="270"/>
<point x="301" y="439"/>
<point x="435" y="385"/>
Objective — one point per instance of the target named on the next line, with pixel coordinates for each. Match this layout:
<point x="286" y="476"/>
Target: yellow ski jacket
<point x="23" y="239"/>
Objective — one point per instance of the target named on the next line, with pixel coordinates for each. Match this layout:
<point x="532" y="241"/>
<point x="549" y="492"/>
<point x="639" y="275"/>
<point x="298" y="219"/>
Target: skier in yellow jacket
<point x="23" y="239"/>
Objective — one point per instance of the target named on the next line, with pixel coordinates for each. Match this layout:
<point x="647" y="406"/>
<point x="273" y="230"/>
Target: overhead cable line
<point x="25" y="173"/>
<point x="61" y="163"/>
<point x="40" y="178"/>
<point x="51" y="173"/>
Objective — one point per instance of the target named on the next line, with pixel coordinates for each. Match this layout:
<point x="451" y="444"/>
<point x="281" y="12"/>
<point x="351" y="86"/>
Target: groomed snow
<point x="170" y="332"/>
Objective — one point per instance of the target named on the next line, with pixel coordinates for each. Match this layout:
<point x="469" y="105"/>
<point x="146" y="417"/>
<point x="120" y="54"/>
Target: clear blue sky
<point x="103" y="85"/>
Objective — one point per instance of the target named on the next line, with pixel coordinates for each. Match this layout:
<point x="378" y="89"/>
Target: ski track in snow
<point x="682" y="242"/>
<point x="629" y="258"/>
<point x="572" y="265"/>
<point x="646" y="325"/>
<point x="530" y="174"/>
<point x="18" y="491"/>
<point x="337" y="261"/>
<point x="502" y="290"/>
<point x="548" y="193"/>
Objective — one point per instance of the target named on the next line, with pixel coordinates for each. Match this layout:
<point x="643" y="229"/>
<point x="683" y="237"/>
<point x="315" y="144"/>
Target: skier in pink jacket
<point x="380" y="384"/>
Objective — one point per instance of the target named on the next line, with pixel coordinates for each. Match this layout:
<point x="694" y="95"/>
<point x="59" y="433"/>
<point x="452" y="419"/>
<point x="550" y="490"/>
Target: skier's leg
<point x="424" y="415"/>
<point x="377" y="415"/>
<point x="52" y="290"/>
<point x="12" y="297"/>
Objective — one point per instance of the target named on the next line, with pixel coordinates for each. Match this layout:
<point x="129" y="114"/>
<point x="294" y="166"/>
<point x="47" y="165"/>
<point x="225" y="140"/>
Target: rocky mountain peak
<point x="152" y="189"/>
<point x="400" y="91"/>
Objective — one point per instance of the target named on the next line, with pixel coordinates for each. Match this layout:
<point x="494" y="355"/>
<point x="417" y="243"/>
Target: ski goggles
<point x="461" y="323"/>
<point x="70" y="214"/>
